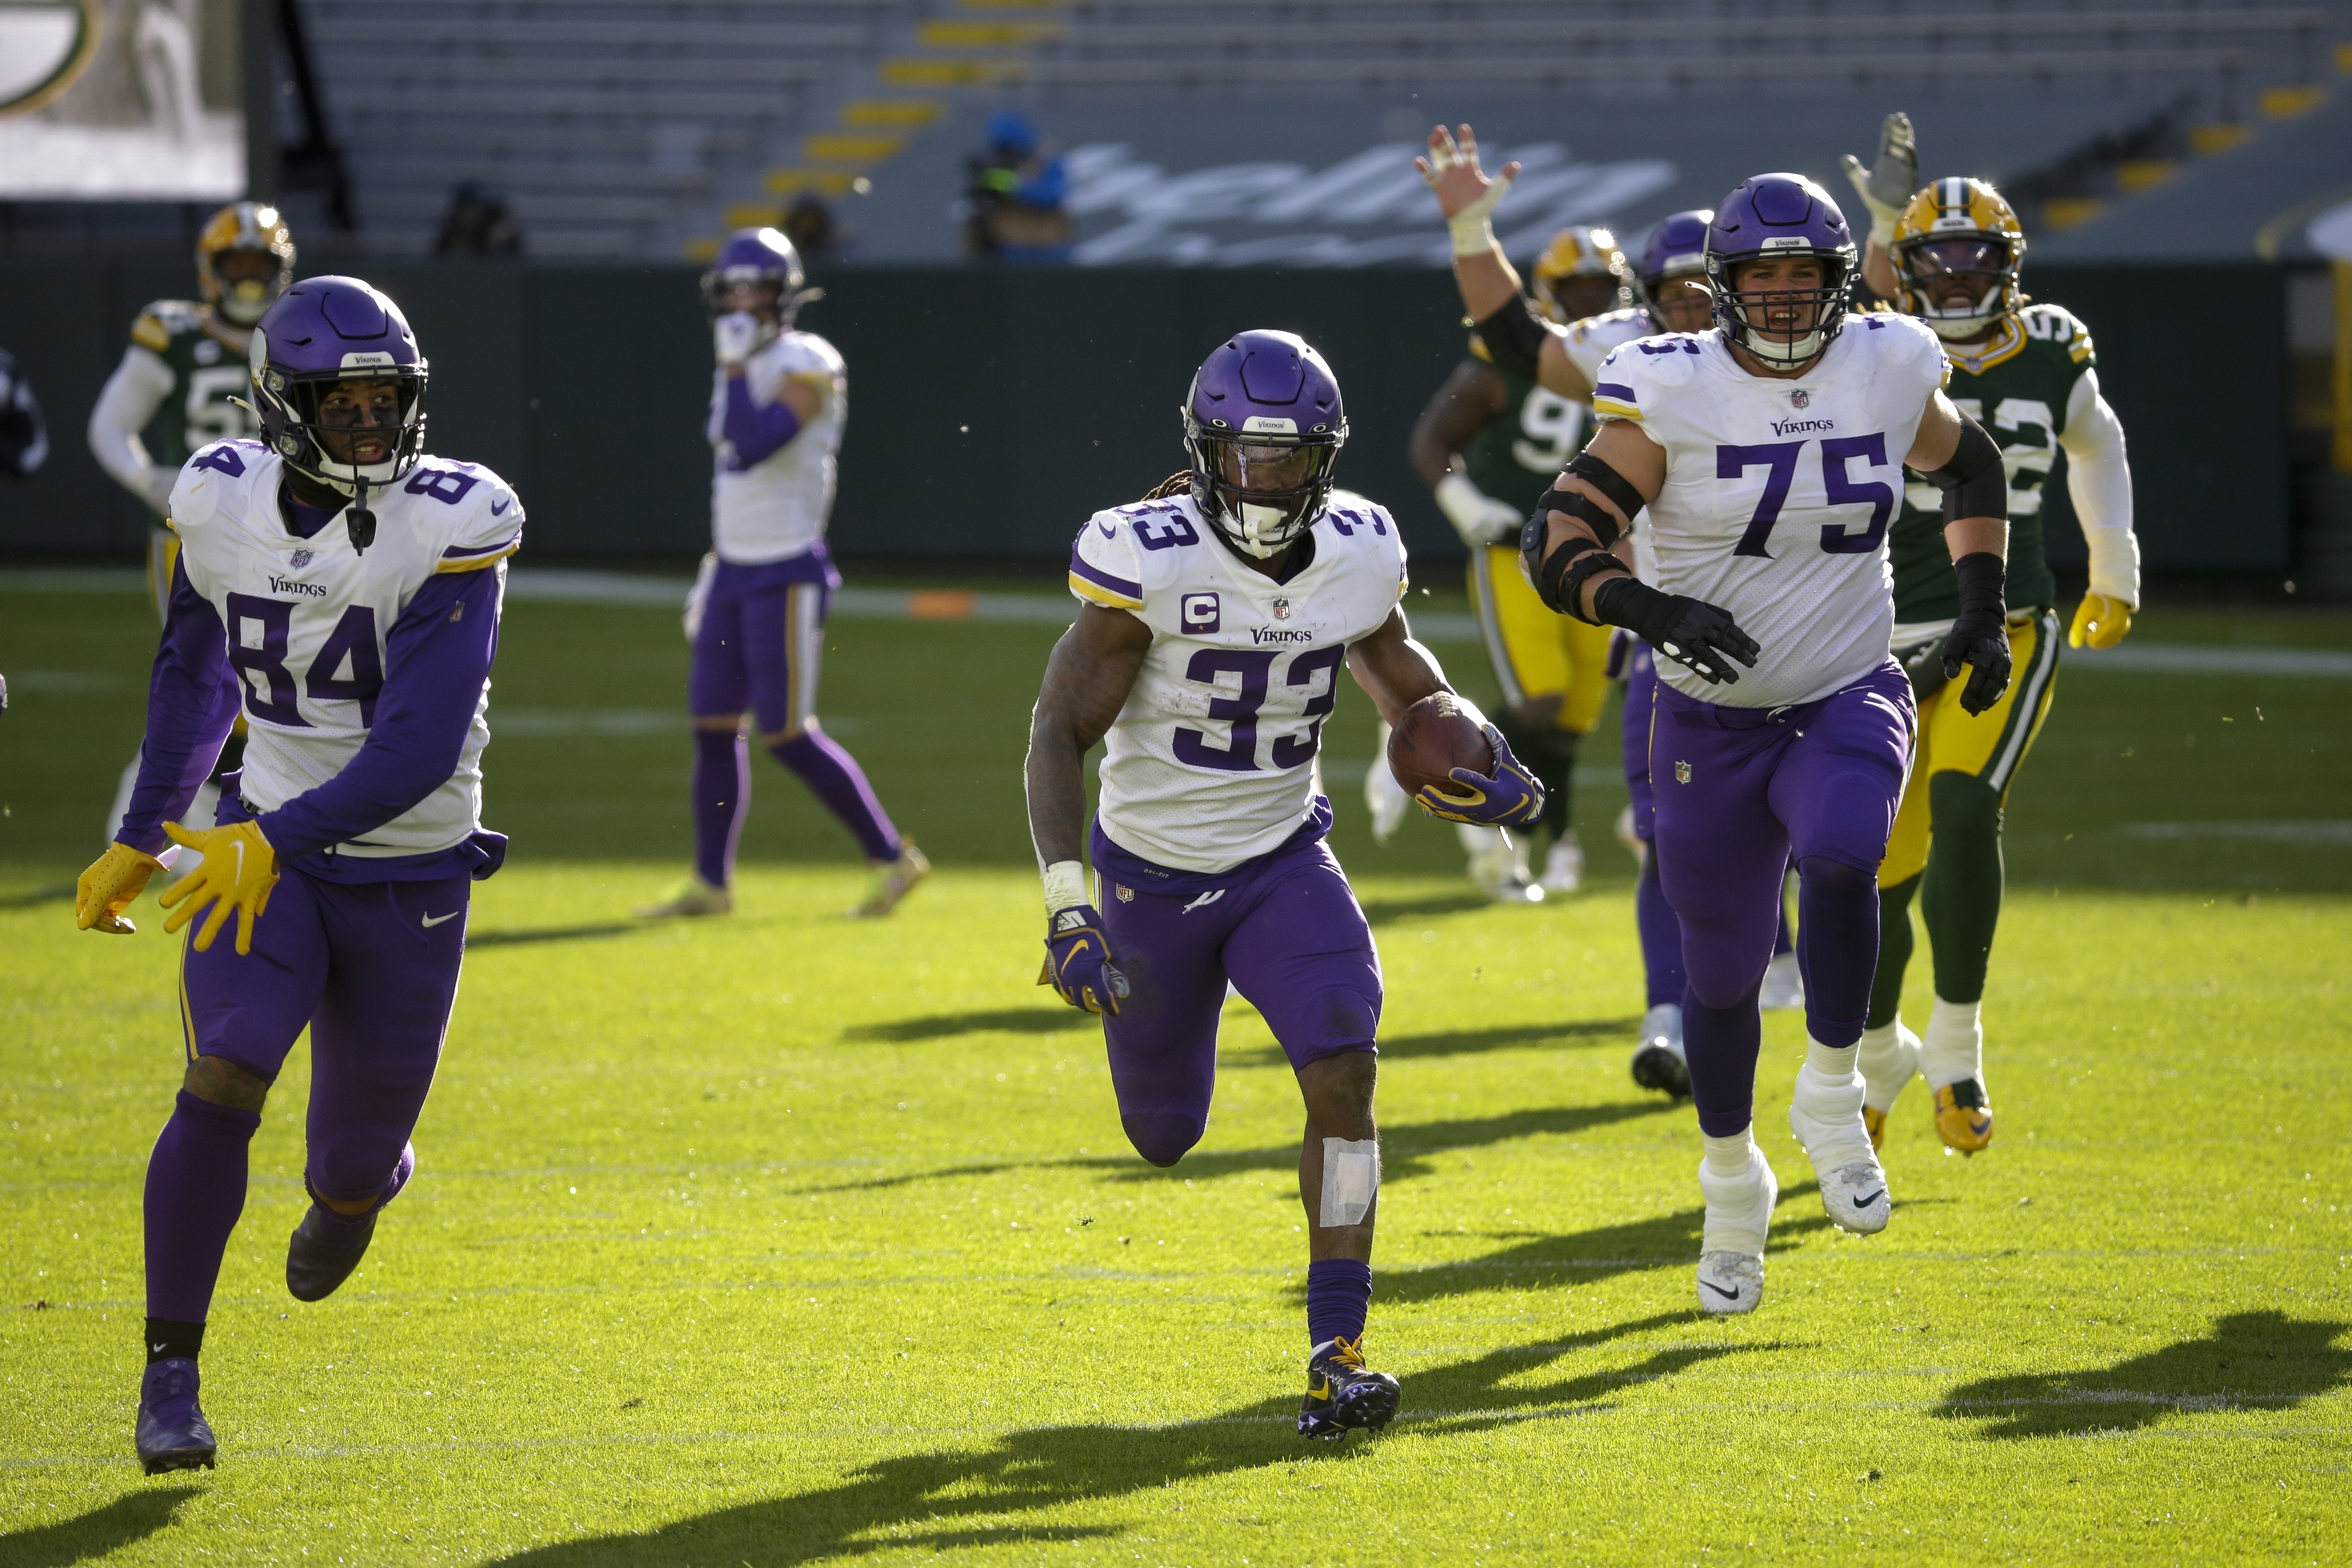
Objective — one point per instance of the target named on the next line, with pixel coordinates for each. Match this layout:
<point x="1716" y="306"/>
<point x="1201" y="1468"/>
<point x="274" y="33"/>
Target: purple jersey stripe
<point x="1611" y="389"/>
<point x="455" y="551"/>
<point x="1102" y="579"/>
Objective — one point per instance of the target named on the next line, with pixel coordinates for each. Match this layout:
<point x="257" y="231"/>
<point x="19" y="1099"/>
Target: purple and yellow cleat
<point x="1340" y="1394"/>
<point x="173" y="1434"/>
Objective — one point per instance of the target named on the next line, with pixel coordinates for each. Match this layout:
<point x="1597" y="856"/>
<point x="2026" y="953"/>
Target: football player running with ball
<point x="1218" y="612"/>
<point x="1487" y="446"/>
<point x="1950" y="255"/>
<point x="756" y="616"/>
<point x="1769" y="453"/>
<point x="343" y="589"/>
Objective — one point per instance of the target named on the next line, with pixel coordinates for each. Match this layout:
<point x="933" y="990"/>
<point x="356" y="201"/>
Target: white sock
<point x="1825" y="1109"/>
<point x="1830" y="1061"/>
<point x="1952" y="1047"/>
<point x="1885" y="1067"/>
<point x="1730" y="1156"/>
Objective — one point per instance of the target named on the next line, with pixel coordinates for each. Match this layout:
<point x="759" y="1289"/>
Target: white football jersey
<point x="308" y="619"/>
<point x="1779" y="492"/>
<point x="1590" y="342"/>
<point x="1209" y="764"/>
<point x="777" y="507"/>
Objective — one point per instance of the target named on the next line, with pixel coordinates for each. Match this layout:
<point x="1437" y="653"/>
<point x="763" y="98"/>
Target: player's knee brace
<point x="219" y="1081"/>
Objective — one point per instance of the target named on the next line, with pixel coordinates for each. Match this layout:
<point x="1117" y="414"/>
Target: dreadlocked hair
<point x="1178" y="483"/>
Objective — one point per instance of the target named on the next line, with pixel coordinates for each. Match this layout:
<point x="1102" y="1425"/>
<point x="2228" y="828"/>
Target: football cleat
<point x="1658" y="1061"/>
<point x="888" y="884"/>
<point x="323" y="1250"/>
<point x="1385" y="799"/>
<point x="1498" y="865"/>
<point x="691" y="896"/>
<point x="1731" y="1248"/>
<point x="1784" y="985"/>
<point x="1729" y="1283"/>
<point x="1341" y="1395"/>
<point x="1563" y="870"/>
<point x="1886" y="1070"/>
<point x="1825" y="1115"/>
<point x="173" y="1434"/>
<point x="1964" y="1116"/>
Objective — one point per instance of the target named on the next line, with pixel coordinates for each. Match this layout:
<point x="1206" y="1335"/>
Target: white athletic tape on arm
<point x="1066" y="884"/>
<point x="1351" y="1178"/>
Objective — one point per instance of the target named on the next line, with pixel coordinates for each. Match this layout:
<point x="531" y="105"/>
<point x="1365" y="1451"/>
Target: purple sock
<point x="1662" y="935"/>
<point x="1837" y="947"/>
<point x="196" y="1190"/>
<point x="838" y="781"/>
<point x="1721" y="1045"/>
<point x="1339" y="1294"/>
<point x="722" y="790"/>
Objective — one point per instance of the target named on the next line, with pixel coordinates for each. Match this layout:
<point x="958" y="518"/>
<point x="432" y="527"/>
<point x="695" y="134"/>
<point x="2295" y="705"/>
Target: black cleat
<point x="1654" y="1066"/>
<point x="1341" y="1395"/>
<point x="323" y="1251"/>
<point x="173" y="1433"/>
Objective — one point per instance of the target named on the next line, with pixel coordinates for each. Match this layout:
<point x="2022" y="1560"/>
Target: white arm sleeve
<point x="2099" y="481"/>
<point x="125" y="405"/>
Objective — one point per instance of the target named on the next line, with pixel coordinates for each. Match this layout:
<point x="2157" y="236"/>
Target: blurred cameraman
<point x="1012" y="208"/>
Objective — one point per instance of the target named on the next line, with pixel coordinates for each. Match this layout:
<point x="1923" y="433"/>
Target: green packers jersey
<point x="2019" y="396"/>
<point x="205" y="374"/>
<point x="1515" y="456"/>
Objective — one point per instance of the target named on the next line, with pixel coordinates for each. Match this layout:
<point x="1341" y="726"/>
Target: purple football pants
<point x="1739" y="793"/>
<point x="370" y="969"/>
<point x="1653" y="918"/>
<point x="1289" y="935"/>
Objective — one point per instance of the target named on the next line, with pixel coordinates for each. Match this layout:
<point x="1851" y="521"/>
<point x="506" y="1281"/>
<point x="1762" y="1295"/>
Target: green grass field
<point x="784" y="1239"/>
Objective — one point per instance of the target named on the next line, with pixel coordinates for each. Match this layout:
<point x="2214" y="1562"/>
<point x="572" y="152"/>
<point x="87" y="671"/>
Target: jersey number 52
<point x="1779" y="459"/>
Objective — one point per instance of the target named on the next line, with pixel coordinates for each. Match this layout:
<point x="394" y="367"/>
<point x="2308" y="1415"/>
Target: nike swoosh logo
<point x="155" y="1349"/>
<point x="497" y="508"/>
<point x="1107" y="530"/>
<point x="1203" y="899"/>
<point x="240" y="862"/>
<point x="1727" y="1295"/>
<point x="431" y="920"/>
<point x="1866" y="1202"/>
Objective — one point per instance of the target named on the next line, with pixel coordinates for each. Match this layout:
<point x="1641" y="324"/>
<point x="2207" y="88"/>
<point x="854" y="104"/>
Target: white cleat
<point x="1658" y="1060"/>
<point x="1825" y="1114"/>
<point x="1385" y="797"/>
<point x="1784" y="985"/>
<point x="1498" y="865"/>
<point x="1731" y="1250"/>
<point x="1563" y="872"/>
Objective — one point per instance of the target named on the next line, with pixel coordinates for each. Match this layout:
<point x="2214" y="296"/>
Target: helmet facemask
<point x="1261" y="489"/>
<point x="1746" y="315"/>
<point x="1988" y="263"/>
<point x="325" y="444"/>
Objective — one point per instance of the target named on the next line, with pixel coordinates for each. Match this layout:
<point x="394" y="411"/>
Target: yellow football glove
<point x="112" y="885"/>
<point x="2100" y="621"/>
<point x="238" y="871"/>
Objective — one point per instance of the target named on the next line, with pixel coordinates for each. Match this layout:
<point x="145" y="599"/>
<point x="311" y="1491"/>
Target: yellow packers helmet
<point x="244" y="226"/>
<point x="1958" y="228"/>
<point x="1582" y="273"/>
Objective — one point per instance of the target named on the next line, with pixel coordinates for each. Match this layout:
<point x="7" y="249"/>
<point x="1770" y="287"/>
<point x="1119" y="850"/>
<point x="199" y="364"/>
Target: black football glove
<point x="1689" y="631"/>
<point x="1978" y="640"/>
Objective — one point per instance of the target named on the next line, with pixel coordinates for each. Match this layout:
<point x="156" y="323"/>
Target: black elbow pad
<point x="1974" y="482"/>
<point x="1514" y="337"/>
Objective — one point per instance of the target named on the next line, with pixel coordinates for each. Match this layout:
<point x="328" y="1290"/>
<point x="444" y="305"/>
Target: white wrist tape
<point x="1472" y="232"/>
<point x="1351" y="1179"/>
<point x="1066" y="884"/>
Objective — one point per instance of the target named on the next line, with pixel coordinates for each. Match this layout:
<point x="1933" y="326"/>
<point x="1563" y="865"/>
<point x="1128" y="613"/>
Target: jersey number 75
<point x="1779" y="459"/>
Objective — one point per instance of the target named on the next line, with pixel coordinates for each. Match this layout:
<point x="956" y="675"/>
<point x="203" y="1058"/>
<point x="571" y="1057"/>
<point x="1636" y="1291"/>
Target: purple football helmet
<point x="1676" y="249"/>
<point x="321" y="332"/>
<point x="758" y="255"/>
<point x="1780" y="216"/>
<point x="1263" y="425"/>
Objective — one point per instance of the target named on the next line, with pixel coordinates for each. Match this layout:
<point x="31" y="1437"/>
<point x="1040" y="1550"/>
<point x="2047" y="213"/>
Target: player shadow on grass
<point x="475" y="939"/>
<point x="1587" y="1257"/>
<point x="33" y="898"/>
<point x="947" y="1025"/>
<point x="2263" y="1360"/>
<point x="1387" y="911"/>
<point x="98" y="1533"/>
<point x="1466" y="1042"/>
<point x="965" y="1498"/>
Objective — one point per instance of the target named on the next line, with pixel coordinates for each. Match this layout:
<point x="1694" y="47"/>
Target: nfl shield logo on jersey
<point x="1126" y="894"/>
<point x="1682" y="773"/>
<point x="1282" y="609"/>
<point x="299" y="560"/>
<point x="1801" y="398"/>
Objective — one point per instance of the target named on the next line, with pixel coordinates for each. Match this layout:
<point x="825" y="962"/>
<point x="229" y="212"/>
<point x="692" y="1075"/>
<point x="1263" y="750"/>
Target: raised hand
<point x="1892" y="178"/>
<point x="1464" y="190"/>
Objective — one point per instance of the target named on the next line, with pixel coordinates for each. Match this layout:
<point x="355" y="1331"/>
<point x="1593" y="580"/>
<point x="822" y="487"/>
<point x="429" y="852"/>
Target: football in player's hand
<point x="1436" y="736"/>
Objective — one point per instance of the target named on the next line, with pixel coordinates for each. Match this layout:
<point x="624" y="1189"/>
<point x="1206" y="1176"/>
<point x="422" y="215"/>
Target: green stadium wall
<point x="992" y="409"/>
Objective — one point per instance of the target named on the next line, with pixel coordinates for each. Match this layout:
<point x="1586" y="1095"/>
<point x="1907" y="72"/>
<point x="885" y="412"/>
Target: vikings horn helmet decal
<point x="322" y="330"/>
<point x="244" y="226"/>
<point x="1958" y="228"/>
<point x="1264" y="425"/>
<point x="1780" y="216"/>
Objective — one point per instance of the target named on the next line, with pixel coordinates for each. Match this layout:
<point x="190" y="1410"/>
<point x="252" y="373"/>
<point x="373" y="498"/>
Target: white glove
<point x="1477" y="517"/>
<point x="697" y="598"/>
<point x="1888" y="185"/>
<point x="735" y="337"/>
